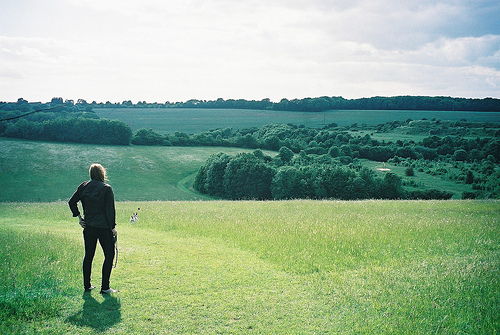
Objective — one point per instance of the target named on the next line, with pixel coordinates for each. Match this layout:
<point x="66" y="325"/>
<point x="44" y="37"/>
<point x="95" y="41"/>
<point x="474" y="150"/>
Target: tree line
<point x="315" y="104"/>
<point x="324" y="103"/>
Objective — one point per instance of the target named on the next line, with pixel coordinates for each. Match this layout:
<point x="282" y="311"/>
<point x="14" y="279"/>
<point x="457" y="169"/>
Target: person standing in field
<point x="98" y="223"/>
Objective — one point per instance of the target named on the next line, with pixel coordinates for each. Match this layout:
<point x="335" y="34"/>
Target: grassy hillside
<point x="195" y="120"/>
<point x="297" y="267"/>
<point x="44" y="171"/>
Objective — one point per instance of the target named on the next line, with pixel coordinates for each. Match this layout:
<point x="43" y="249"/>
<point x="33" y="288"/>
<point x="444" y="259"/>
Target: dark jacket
<point x="98" y="204"/>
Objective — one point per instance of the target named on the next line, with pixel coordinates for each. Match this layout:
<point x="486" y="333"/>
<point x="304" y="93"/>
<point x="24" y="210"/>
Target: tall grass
<point x="36" y="273"/>
<point x="310" y="236"/>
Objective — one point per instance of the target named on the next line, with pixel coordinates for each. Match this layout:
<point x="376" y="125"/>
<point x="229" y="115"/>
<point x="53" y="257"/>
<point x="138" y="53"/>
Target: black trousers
<point x="107" y="242"/>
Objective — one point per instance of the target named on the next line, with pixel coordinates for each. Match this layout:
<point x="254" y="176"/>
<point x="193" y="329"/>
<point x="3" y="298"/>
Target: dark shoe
<point x="109" y="291"/>
<point x="89" y="288"/>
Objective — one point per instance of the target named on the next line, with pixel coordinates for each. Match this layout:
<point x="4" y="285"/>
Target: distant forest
<point x="329" y="103"/>
<point x="304" y="105"/>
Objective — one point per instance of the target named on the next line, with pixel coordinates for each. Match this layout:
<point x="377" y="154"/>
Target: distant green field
<point x="193" y="120"/>
<point x="292" y="267"/>
<point x="45" y="171"/>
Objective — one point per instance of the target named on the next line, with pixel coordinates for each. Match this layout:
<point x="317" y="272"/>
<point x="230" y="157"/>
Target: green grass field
<point x="293" y="267"/>
<point x="45" y="171"/>
<point x="195" y="120"/>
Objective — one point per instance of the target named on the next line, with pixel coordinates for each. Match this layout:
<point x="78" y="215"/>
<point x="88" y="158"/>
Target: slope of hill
<point x="289" y="267"/>
<point x="45" y="171"/>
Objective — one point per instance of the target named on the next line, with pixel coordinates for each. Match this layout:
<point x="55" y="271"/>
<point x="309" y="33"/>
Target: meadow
<point x="46" y="171"/>
<point x="289" y="267"/>
<point x="195" y="120"/>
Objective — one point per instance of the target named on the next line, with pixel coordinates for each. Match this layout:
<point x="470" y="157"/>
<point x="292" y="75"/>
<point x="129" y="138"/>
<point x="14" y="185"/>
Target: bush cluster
<point x="67" y="124"/>
<point x="257" y="176"/>
<point x="334" y="141"/>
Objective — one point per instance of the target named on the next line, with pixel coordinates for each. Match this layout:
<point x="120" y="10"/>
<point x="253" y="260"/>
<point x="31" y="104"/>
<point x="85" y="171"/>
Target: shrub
<point x="469" y="195"/>
<point x="315" y="150"/>
<point x="409" y="172"/>
<point x="334" y="151"/>
<point x="429" y="194"/>
<point x="469" y="178"/>
<point x="390" y="187"/>
<point x="345" y="159"/>
<point x="285" y="154"/>
<point x="147" y="137"/>
<point x="460" y="155"/>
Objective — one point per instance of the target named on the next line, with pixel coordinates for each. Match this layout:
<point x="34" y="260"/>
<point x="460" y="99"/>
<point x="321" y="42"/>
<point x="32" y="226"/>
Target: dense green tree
<point x="469" y="178"/>
<point x="214" y="184"/>
<point x="376" y="153"/>
<point x="148" y="137"/>
<point x="460" y="155"/>
<point x="82" y="130"/>
<point x="346" y="150"/>
<point x="333" y="182"/>
<point x="285" y="154"/>
<point x="391" y="187"/>
<point x="57" y="101"/>
<point x="366" y="185"/>
<point x="426" y="153"/>
<point x="493" y="148"/>
<point x="248" y="177"/>
<point x="200" y="180"/>
<point x="247" y="141"/>
<point x="289" y="183"/>
<point x="334" y="151"/>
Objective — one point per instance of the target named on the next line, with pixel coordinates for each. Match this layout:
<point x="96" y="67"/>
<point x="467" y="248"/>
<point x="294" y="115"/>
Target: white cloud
<point x="156" y="50"/>
<point x="480" y="50"/>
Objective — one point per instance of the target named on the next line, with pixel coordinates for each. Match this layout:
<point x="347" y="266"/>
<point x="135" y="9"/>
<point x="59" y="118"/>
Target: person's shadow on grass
<point x="99" y="316"/>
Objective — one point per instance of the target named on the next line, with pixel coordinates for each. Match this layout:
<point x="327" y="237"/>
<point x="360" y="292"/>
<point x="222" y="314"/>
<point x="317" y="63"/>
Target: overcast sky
<point x="158" y="50"/>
